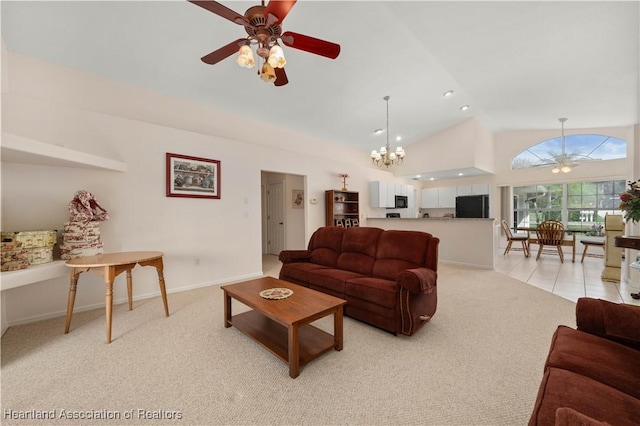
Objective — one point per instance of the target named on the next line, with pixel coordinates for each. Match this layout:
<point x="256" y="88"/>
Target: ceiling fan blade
<point x="224" y="52"/>
<point x="311" y="44"/>
<point x="281" y="77"/>
<point x="223" y="11"/>
<point x="279" y="9"/>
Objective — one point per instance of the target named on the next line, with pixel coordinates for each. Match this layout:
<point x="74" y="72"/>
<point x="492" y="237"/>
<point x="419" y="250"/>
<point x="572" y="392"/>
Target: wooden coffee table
<point x="283" y="326"/>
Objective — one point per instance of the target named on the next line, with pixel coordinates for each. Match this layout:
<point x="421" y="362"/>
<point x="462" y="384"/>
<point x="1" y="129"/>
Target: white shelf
<point x="33" y="274"/>
<point x="18" y="149"/>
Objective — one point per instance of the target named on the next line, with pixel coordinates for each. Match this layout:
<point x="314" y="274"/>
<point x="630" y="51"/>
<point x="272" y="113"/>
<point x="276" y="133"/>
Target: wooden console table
<point x="110" y="265"/>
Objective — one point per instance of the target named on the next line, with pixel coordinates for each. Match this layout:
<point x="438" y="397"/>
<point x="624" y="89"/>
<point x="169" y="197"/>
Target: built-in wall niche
<point x="18" y="149"/>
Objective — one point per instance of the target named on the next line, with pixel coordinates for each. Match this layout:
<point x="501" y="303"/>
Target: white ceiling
<point x="518" y="65"/>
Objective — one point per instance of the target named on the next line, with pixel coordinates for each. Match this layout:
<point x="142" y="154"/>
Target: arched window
<point x="577" y="147"/>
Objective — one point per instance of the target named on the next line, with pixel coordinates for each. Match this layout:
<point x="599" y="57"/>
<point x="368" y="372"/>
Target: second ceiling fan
<point x="263" y="26"/>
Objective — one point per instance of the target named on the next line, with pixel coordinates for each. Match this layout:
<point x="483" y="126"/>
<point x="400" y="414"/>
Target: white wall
<point x="89" y="114"/>
<point x="467" y="144"/>
<point x="61" y="106"/>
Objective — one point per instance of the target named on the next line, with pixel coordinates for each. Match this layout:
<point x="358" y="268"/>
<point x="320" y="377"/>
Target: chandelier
<point x="386" y="157"/>
<point x="563" y="161"/>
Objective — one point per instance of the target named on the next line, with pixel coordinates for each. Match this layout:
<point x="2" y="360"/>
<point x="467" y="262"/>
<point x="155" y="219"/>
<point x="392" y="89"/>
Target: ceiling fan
<point x="263" y="26"/>
<point x="565" y="162"/>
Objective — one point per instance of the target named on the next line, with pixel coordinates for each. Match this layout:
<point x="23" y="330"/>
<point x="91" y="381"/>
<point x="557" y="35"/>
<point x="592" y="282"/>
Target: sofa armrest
<point x="289" y="256"/>
<point x="418" y="280"/>
<point x="613" y="321"/>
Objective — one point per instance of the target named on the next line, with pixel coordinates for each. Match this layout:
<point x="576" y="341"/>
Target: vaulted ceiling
<point x="518" y="65"/>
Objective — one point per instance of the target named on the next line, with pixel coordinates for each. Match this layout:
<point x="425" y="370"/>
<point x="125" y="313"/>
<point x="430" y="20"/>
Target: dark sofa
<point x="592" y="373"/>
<point x="388" y="278"/>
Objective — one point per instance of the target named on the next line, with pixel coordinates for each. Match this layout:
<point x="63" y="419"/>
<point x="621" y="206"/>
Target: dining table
<point x="569" y="242"/>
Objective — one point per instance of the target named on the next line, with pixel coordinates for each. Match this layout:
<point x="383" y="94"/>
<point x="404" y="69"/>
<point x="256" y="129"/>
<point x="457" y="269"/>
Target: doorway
<point x="283" y="221"/>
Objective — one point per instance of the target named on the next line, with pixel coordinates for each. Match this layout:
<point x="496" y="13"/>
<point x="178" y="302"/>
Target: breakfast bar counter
<point x="470" y="242"/>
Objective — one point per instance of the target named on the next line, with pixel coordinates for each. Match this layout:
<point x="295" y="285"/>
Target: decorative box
<point x="32" y="239"/>
<point x="13" y="257"/>
<point x="38" y="255"/>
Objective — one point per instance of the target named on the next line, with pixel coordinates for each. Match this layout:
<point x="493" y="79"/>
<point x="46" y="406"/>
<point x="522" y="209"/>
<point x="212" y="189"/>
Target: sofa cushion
<point x="298" y="271"/>
<point x="374" y="290"/>
<point x="398" y="251"/>
<point x="563" y="388"/>
<point x="331" y="279"/>
<point x="359" y="249"/>
<point x="325" y="245"/>
<point x="608" y="362"/>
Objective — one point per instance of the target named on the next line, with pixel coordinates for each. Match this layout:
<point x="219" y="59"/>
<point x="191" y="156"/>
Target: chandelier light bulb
<point x="276" y="57"/>
<point x="556" y="169"/>
<point x="268" y="74"/>
<point x="245" y="57"/>
<point x="565" y="169"/>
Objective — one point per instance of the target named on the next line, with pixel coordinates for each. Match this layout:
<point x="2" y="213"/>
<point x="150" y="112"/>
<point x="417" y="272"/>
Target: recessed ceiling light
<point x="447" y="93"/>
<point x="378" y="131"/>
<point x="418" y="176"/>
<point x="431" y="178"/>
<point x="464" y="107"/>
<point x="398" y="138"/>
<point x="460" y="174"/>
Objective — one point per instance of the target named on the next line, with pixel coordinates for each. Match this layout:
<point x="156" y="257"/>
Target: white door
<point x="275" y="218"/>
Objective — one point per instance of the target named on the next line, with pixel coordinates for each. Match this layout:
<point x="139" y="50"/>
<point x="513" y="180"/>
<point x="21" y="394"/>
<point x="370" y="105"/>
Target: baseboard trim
<point x="150" y="295"/>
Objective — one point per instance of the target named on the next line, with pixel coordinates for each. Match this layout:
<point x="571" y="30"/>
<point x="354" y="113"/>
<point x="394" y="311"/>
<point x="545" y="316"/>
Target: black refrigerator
<point x="472" y="206"/>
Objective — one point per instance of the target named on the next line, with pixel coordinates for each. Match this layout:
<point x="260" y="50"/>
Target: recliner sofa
<point x="592" y="373"/>
<point x="388" y="278"/>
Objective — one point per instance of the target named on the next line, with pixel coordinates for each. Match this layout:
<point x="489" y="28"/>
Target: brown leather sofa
<point x="592" y="374"/>
<point x="388" y="278"/>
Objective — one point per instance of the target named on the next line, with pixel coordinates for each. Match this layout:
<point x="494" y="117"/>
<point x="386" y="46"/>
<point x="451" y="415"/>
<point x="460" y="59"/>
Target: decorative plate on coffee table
<point x="276" y="293"/>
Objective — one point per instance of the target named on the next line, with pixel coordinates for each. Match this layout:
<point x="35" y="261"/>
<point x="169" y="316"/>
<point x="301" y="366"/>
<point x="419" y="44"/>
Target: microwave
<point x="402" y="202"/>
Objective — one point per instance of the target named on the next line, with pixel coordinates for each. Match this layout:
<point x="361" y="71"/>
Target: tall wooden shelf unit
<point x="342" y="208"/>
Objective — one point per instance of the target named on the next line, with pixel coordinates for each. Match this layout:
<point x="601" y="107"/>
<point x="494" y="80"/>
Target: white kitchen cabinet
<point x="447" y="197"/>
<point x="475" y="189"/>
<point x="411" y="197"/>
<point x="439" y="198"/>
<point x="401" y="189"/>
<point x="381" y="194"/>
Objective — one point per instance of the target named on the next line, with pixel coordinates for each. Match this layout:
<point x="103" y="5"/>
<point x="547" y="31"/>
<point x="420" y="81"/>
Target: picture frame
<point x="192" y="177"/>
<point x="297" y="197"/>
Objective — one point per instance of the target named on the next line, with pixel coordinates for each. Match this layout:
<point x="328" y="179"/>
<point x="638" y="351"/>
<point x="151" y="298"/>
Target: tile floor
<point x="568" y="280"/>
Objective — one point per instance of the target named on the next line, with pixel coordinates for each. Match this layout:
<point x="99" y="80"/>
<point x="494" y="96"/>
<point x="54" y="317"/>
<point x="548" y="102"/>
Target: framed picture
<point x="192" y="177"/>
<point x="298" y="199"/>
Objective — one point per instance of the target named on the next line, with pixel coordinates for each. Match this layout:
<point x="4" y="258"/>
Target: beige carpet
<point x="479" y="361"/>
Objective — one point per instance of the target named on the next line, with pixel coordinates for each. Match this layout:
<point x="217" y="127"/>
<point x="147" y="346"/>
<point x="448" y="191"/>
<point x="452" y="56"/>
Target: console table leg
<point x="130" y="289"/>
<point x="72" y="300"/>
<point x="163" y="289"/>
<point x="109" y="306"/>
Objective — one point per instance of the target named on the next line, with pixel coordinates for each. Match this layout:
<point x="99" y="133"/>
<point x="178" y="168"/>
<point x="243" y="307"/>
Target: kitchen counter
<point x="432" y="218"/>
<point x="463" y="241"/>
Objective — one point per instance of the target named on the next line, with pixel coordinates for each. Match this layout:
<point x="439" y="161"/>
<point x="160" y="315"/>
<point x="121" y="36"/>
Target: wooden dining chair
<point x="522" y="238"/>
<point x="550" y="233"/>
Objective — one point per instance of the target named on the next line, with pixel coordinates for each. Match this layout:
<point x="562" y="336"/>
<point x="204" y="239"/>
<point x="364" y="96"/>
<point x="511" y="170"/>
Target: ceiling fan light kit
<point x="386" y="157"/>
<point x="262" y="25"/>
<point x="562" y="164"/>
